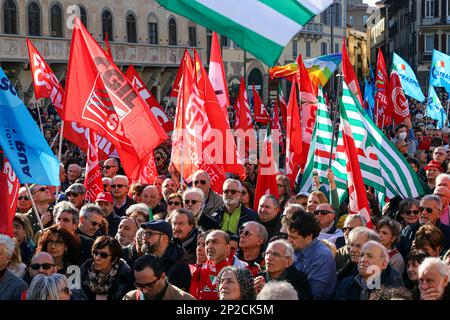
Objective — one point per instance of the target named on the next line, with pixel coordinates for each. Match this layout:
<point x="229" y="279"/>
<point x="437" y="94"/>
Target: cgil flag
<point x="9" y="192"/>
<point x="410" y="85"/>
<point x="23" y="143"/>
<point x="263" y="28"/>
<point x="440" y="70"/>
<point x="261" y="114"/>
<point x="434" y="108"/>
<point x="93" y="175"/>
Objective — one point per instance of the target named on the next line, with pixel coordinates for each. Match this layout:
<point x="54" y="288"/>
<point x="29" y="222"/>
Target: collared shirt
<point x="230" y="221"/>
<point x="317" y="262"/>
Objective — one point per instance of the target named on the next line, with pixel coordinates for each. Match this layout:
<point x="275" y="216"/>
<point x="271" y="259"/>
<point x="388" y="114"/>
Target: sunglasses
<point x="108" y="167"/>
<point x="65" y="290"/>
<point x="113" y="186"/>
<point x="322" y="212"/>
<point x="233" y="192"/>
<point x="42" y="189"/>
<point x="102" y="254"/>
<point x="45" y="266"/>
<point x="23" y="198"/>
<point x="412" y="212"/>
<point x="429" y="210"/>
<point x="106" y="186"/>
<point x="73" y="194"/>
<point x="245" y="233"/>
<point x="174" y="203"/>
<point x="345" y="229"/>
<point x="194" y="202"/>
<point x="203" y="182"/>
<point x="158" y="158"/>
<point x="146" y="285"/>
<point x="96" y="224"/>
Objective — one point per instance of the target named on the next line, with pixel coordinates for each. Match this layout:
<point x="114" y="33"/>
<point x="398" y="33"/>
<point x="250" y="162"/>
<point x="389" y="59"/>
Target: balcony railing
<point x="430" y="21"/>
<point x="13" y="48"/>
<point x="313" y="27"/>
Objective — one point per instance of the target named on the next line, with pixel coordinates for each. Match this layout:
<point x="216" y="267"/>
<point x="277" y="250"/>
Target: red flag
<point x="152" y="103"/>
<point x="266" y="182"/>
<point x="187" y="60"/>
<point x="349" y="74"/>
<point x="383" y="102"/>
<point x="148" y="172"/>
<point x="46" y="85"/>
<point x="243" y="126"/>
<point x="93" y="177"/>
<point x="309" y="104"/>
<point x="261" y="114"/>
<point x="293" y="137"/>
<point x="9" y="192"/>
<point x="108" y="47"/>
<point x="399" y="101"/>
<point x="99" y="96"/>
<point x="217" y="75"/>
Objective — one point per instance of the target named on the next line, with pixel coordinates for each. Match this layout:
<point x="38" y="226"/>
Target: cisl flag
<point x="9" y="191"/>
<point x="93" y="177"/>
<point x="99" y="96"/>
<point x="152" y="103"/>
<point x="261" y="114"/>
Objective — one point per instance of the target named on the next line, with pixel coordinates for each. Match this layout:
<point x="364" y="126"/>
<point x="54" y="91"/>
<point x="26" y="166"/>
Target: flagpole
<point x="446" y="119"/>
<point x="335" y="110"/>
<point x="39" y="115"/>
<point x="382" y="124"/>
<point x="59" y="155"/>
<point x="35" y="209"/>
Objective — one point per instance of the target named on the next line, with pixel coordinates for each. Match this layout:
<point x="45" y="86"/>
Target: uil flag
<point x="152" y="103"/>
<point x="187" y="60"/>
<point x="261" y="114"/>
<point x="100" y="97"/>
<point x="440" y="70"/>
<point x="408" y="79"/>
<point x="217" y="75"/>
<point x="93" y="177"/>
<point x="434" y="108"/>
<point x="401" y="107"/>
<point x="9" y="191"/>
<point x="349" y="74"/>
<point x="293" y="136"/>
<point x="46" y="85"/>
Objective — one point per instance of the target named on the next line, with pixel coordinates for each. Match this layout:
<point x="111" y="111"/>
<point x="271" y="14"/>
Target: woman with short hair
<point x="53" y="287"/>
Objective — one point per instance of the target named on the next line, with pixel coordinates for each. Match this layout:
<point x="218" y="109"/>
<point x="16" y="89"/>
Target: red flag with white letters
<point x="93" y="176"/>
<point x="383" y="103"/>
<point x="9" y="192"/>
<point x="186" y="61"/>
<point x="399" y="101"/>
<point x="261" y="114"/>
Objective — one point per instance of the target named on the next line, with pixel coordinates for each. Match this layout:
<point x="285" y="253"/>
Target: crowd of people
<point x="167" y="241"/>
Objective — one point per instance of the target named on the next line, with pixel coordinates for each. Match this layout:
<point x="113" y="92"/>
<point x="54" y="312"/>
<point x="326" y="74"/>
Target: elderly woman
<point x="174" y="202"/>
<point x="409" y="211"/>
<point x="139" y="212"/>
<point x="389" y="232"/>
<point x="433" y="280"/>
<point x="236" y="284"/>
<point x="62" y="246"/>
<point x="11" y="286"/>
<point x="53" y="287"/>
<point x="106" y="276"/>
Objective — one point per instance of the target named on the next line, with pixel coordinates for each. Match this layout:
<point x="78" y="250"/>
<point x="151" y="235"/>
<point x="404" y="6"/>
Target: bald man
<point x="73" y="173"/>
<point x="152" y="198"/>
<point x="327" y="220"/>
<point x="444" y="194"/>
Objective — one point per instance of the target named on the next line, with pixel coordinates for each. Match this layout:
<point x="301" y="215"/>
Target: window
<point x="336" y="48"/>
<point x="337" y="14"/>
<point x="208" y="43"/>
<point x="323" y="48"/>
<point x="107" y="25"/>
<point x="429" y="8"/>
<point x="172" y="32"/>
<point x="429" y="43"/>
<point x="83" y="15"/>
<point x="131" y="28"/>
<point x="448" y="44"/>
<point x="351" y="21"/>
<point x="34" y="19"/>
<point x="365" y="19"/>
<point x="224" y="42"/>
<point x="294" y="49"/>
<point x="10" y="17"/>
<point x="308" y="48"/>
<point x="56" y="21"/>
<point x="192" y="36"/>
<point x="324" y="17"/>
<point x="153" y="32"/>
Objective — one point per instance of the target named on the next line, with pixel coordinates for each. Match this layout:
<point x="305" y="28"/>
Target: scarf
<point x="99" y="282"/>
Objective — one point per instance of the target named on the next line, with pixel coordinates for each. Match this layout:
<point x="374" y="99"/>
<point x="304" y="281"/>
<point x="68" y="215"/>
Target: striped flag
<point x="320" y="69"/>
<point x="262" y="27"/>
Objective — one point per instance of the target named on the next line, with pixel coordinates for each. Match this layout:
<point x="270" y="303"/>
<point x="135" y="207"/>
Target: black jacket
<point x="298" y="279"/>
<point x="273" y="226"/>
<point x="130" y="254"/>
<point x="190" y="246"/>
<point x="122" y="210"/>
<point x="246" y="216"/>
<point x="177" y="268"/>
<point x="406" y="239"/>
<point x="113" y="221"/>
<point x="207" y="222"/>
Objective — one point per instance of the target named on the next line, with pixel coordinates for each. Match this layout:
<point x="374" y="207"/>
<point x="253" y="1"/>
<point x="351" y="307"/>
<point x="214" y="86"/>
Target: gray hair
<point x="120" y="176"/>
<point x="274" y="199"/>
<point x="106" y="179"/>
<point x="383" y="250"/>
<point x="432" y="197"/>
<point x="66" y="206"/>
<point x="431" y="261"/>
<point x="138" y="207"/>
<point x="352" y="217"/>
<point x="76" y="187"/>
<point x="194" y="190"/>
<point x="278" y="290"/>
<point x="442" y="176"/>
<point x="9" y="244"/>
<point x="88" y="209"/>
<point x="239" y="184"/>
<point x="262" y="232"/>
<point x="45" y="287"/>
<point x="363" y="231"/>
<point x="288" y="249"/>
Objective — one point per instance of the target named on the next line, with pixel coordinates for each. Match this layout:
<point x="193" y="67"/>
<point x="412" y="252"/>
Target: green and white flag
<point x="262" y="27"/>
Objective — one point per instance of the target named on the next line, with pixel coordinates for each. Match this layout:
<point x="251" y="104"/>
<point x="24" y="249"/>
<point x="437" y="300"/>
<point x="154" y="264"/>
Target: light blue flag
<point x="410" y="85"/>
<point x="440" y="70"/>
<point x="23" y="143"/>
<point x="369" y="98"/>
<point x="434" y="107"/>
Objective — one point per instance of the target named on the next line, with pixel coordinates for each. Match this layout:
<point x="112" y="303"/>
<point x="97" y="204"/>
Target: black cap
<point x="158" y="225"/>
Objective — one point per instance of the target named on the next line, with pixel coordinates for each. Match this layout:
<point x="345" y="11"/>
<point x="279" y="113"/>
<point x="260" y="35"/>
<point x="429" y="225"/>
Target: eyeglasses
<point x="23" y="198"/>
<point x="322" y="212"/>
<point x="345" y="229"/>
<point x="429" y="210"/>
<point x="106" y="186"/>
<point x="108" y="167"/>
<point x="158" y="158"/>
<point x="96" y="224"/>
<point x="245" y="233"/>
<point x="56" y="243"/>
<point x="42" y="189"/>
<point x="174" y="203"/>
<point x="273" y="254"/>
<point x="203" y="182"/>
<point x="412" y="212"/>
<point x="73" y="194"/>
<point x="102" y="254"/>
<point x="148" y="286"/>
<point x="244" y="193"/>
<point x="149" y="234"/>
<point x="45" y="266"/>
<point x="194" y="202"/>
<point x="233" y="192"/>
<point x="113" y="186"/>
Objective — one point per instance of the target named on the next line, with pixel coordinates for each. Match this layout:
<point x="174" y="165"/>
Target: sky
<point x="370" y="2"/>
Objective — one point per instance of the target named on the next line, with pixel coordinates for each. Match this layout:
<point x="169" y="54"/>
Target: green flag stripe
<point x="291" y="9"/>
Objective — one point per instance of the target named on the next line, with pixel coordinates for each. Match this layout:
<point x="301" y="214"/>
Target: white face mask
<point x="402" y="135"/>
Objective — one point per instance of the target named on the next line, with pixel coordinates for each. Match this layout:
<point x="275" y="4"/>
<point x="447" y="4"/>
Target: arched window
<point x="56" y="21"/>
<point x="83" y="15"/>
<point x="34" y="19"/>
<point x="131" y="28"/>
<point x="192" y="33"/>
<point x="10" y="17"/>
<point x="152" y="29"/>
<point x="107" y="25"/>
<point x="172" y="32"/>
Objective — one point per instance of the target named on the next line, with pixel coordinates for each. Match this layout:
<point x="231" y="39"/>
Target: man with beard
<point x="157" y="241"/>
<point x="233" y="214"/>
<point x="168" y="187"/>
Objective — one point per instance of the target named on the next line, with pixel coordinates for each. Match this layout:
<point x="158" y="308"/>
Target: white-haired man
<point x="434" y="276"/>
<point x="213" y="201"/>
<point x="374" y="272"/>
<point x="11" y="287"/>
<point x="119" y="189"/>
<point x="193" y="201"/>
<point x="351" y="222"/>
<point x="91" y="221"/>
<point x="252" y="238"/>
